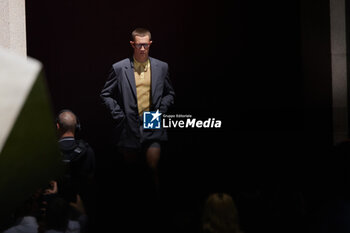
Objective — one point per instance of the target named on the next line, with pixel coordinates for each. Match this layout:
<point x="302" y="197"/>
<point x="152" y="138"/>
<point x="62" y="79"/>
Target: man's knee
<point x="153" y="156"/>
<point x="130" y="155"/>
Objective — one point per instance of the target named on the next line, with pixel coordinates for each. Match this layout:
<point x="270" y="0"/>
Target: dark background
<point x="262" y="68"/>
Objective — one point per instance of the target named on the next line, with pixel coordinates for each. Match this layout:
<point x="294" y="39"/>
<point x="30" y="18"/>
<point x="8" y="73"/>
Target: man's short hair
<point x="140" y="32"/>
<point x="67" y="120"/>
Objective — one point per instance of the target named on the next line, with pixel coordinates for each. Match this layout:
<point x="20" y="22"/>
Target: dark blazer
<point x="119" y="96"/>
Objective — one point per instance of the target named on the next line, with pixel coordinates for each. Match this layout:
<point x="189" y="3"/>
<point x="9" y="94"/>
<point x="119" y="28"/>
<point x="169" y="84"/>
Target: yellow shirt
<point x="142" y="73"/>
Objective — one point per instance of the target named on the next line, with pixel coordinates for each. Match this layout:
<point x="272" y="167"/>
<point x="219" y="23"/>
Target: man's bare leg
<point x="152" y="157"/>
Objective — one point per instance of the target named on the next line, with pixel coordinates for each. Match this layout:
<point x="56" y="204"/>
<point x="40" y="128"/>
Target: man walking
<point x="134" y="86"/>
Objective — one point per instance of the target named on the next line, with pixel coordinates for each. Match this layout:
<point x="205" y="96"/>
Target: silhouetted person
<point x="80" y="160"/>
<point x="220" y="215"/>
<point x="137" y="85"/>
<point x="58" y="213"/>
<point x="27" y="221"/>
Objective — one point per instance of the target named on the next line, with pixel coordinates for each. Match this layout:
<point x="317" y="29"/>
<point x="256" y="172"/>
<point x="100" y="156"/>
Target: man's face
<point x="141" y="47"/>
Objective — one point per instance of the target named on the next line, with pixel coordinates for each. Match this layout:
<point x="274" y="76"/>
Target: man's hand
<point x="79" y="206"/>
<point x="53" y="189"/>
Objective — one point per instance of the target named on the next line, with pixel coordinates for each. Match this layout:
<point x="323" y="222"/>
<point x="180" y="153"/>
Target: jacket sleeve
<point x="109" y="97"/>
<point x="168" y="94"/>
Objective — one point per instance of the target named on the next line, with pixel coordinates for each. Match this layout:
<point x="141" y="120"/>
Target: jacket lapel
<point x="155" y="72"/>
<point x="129" y="71"/>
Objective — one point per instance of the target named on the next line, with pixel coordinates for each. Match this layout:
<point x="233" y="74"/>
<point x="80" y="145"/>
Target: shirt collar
<point x="66" y="139"/>
<point x="141" y="66"/>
